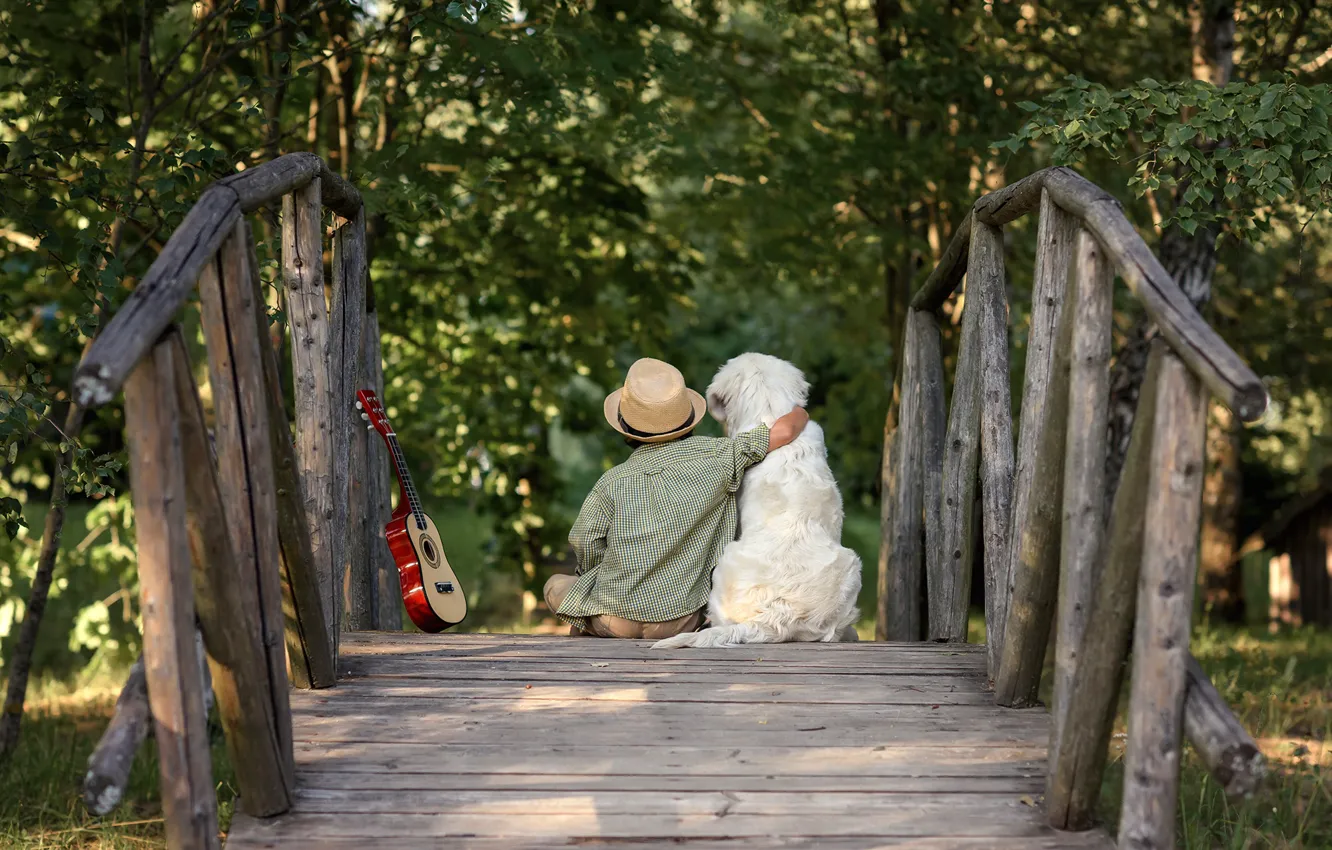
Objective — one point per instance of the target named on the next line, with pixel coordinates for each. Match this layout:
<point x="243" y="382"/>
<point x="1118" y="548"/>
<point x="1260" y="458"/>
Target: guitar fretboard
<point x="405" y="478"/>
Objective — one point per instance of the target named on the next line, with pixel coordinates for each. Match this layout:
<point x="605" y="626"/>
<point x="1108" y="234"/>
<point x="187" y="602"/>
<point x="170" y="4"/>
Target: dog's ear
<point x="717" y="406"/>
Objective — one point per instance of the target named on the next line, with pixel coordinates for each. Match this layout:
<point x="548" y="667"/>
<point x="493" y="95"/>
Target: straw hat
<point x="654" y="405"/>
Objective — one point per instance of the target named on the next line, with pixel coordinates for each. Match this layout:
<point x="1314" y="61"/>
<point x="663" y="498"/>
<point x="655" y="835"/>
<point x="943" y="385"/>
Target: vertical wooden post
<point x="985" y="267"/>
<point x="175" y="687"/>
<point x="1075" y="776"/>
<point x="901" y="600"/>
<point x="949" y="582"/>
<point x="229" y="607"/>
<point x="384" y="586"/>
<point x="346" y="320"/>
<point x="309" y="652"/>
<point x="245" y="456"/>
<point x="307" y="312"/>
<point x="1165" y="608"/>
<point x="1054" y="250"/>
<point x="932" y="410"/>
<point x="1084" y="465"/>
<point x="1036" y="575"/>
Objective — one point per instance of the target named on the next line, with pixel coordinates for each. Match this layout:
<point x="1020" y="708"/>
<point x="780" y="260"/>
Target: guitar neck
<point x="408" y="500"/>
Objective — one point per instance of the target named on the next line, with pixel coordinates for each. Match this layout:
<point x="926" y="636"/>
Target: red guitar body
<point x="431" y="593"/>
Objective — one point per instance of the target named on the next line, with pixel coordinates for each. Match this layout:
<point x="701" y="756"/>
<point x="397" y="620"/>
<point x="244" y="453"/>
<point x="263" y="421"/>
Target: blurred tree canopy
<point x="559" y="186"/>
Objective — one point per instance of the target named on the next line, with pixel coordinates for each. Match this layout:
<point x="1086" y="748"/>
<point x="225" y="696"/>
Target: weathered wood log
<point x="1035" y="576"/>
<point x="307" y="314"/>
<point x="247" y="487"/>
<point x="159" y="296"/>
<point x="1165" y="609"/>
<point x="932" y="411"/>
<point x="1219" y="367"/>
<point x="384" y="586"/>
<point x="985" y="270"/>
<point x="1224" y="745"/>
<point x="109" y="765"/>
<point x="154" y="303"/>
<point x="948" y="272"/>
<point x="1074" y="783"/>
<point x="346" y="320"/>
<point x="1206" y="353"/>
<point x="132" y="721"/>
<point x="1084" y="511"/>
<point x="309" y="653"/>
<point x="901" y="605"/>
<point x="175" y="686"/>
<point x="1055" y="233"/>
<point x="227" y="598"/>
<point x="269" y="183"/>
<point x="948" y="584"/>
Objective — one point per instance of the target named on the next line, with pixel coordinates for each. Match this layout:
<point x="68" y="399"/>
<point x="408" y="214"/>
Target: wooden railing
<point x="1049" y="542"/>
<point x="262" y="539"/>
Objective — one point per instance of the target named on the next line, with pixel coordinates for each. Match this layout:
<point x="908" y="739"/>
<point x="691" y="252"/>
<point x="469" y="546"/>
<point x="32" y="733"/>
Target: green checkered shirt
<point x="653" y="528"/>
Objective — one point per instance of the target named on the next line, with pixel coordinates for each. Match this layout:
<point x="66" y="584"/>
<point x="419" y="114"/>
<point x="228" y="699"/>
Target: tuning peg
<point x="359" y="406"/>
<point x="369" y="427"/>
<point x="365" y="416"/>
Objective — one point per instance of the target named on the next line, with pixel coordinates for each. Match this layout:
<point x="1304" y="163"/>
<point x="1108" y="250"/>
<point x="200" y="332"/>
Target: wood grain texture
<point x="309" y="653"/>
<point x="346" y="321"/>
<point x="156" y="300"/>
<point x="1054" y="251"/>
<point x="245" y="478"/>
<point x="985" y="270"/>
<point x="1035" y="577"/>
<point x="1075" y="777"/>
<point x="948" y="587"/>
<point x="605" y="760"/>
<point x="175" y="686"/>
<point x="900" y="603"/>
<point x="1227" y="749"/>
<point x="109" y="765"/>
<point x="385" y="591"/>
<point x="1220" y="368"/>
<point x="1084" y="511"/>
<point x="931" y="407"/>
<point x="1165" y="608"/>
<point x="307" y="313"/>
<point x="228" y="604"/>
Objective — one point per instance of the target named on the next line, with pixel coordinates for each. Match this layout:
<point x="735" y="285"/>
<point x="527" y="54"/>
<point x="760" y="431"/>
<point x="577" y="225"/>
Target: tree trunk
<point x="1190" y="259"/>
<point x="1220" y="581"/>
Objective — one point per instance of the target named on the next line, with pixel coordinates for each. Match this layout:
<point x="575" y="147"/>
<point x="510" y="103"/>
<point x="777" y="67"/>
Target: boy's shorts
<point x="611" y="626"/>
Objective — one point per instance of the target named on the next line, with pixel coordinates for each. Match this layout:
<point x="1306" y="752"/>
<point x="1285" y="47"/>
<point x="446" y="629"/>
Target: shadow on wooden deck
<point x="523" y="742"/>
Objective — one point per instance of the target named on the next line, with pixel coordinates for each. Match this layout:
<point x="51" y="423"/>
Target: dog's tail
<point x="732" y="635"/>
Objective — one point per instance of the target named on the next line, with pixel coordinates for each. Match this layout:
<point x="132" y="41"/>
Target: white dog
<point x="788" y="577"/>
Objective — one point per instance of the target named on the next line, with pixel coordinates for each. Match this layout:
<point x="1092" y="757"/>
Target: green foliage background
<point x="561" y="186"/>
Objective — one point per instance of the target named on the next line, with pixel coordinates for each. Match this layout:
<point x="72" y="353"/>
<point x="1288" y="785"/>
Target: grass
<point x="1281" y="686"/>
<point x="41" y="807"/>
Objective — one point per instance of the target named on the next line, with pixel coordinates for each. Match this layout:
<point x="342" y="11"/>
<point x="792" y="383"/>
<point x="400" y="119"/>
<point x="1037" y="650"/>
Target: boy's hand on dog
<point x="784" y="431"/>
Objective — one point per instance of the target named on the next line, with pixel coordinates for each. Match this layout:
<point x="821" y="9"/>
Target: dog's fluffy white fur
<point x="788" y="577"/>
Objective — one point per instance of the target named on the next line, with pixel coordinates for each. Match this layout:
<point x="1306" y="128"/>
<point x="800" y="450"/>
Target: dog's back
<point x="787" y="577"/>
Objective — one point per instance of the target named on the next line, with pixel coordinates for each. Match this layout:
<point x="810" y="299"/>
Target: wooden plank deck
<point x="501" y="741"/>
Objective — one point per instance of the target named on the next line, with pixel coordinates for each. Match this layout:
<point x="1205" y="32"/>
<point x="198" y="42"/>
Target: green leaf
<point x="96" y="113"/>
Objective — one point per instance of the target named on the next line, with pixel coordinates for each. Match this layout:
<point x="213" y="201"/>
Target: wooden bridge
<point x="275" y="550"/>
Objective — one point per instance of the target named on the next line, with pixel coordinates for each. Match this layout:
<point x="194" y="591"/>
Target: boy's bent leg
<point x="557" y="587"/>
<point x="671" y="628"/>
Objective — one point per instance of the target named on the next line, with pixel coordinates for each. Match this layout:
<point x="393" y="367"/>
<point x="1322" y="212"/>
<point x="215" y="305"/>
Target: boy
<point x="652" y="529"/>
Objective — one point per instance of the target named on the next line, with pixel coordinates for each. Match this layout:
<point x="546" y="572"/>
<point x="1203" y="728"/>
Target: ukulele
<point x="430" y="591"/>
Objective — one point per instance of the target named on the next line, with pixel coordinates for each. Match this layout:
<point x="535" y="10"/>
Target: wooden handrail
<point x="163" y="290"/>
<point x="1045" y="534"/>
<point x="1219" y="367"/>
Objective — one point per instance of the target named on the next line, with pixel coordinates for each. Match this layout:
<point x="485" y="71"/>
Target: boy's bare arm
<point x="786" y="429"/>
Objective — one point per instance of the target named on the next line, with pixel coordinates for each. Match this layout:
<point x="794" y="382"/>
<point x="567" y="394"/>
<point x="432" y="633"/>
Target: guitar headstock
<point x="372" y="411"/>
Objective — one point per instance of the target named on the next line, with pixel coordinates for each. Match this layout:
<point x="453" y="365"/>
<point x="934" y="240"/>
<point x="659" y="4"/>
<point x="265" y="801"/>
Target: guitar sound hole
<point x="428" y="549"/>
